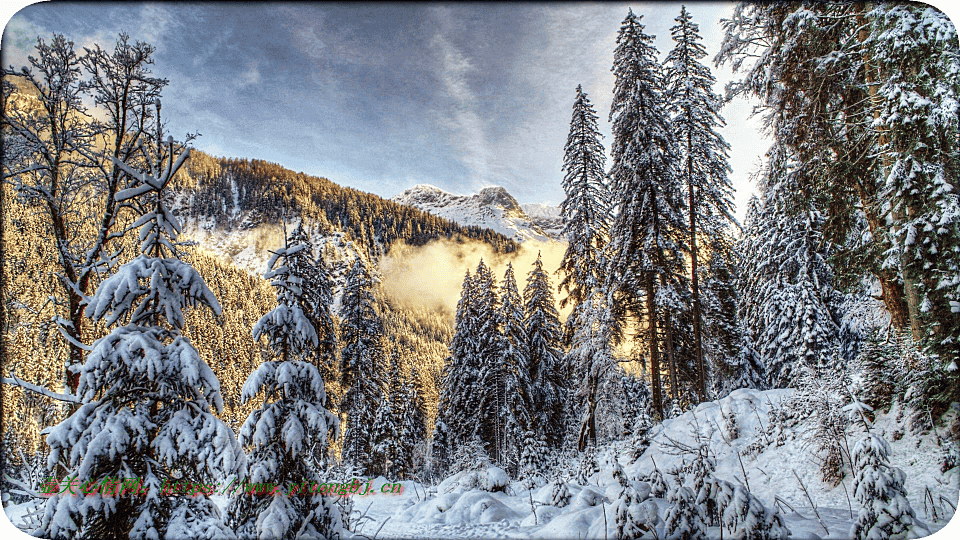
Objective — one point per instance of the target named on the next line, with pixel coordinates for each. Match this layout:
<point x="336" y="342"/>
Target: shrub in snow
<point x="588" y="466"/>
<point x="658" y="485"/>
<point x="748" y="519"/>
<point x="283" y="433"/>
<point x="641" y="435"/>
<point x="496" y="479"/>
<point x="684" y="519"/>
<point x="730" y="425"/>
<point x="629" y="515"/>
<point x="470" y="455"/>
<point x="147" y="399"/>
<point x="885" y="512"/>
<point x="559" y="493"/>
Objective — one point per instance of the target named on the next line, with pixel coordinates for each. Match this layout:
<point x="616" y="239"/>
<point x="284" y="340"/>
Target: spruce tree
<point x="506" y="406"/>
<point x="586" y="207"/>
<point x="292" y="425"/>
<point x="695" y="112"/>
<point x="920" y="128"/>
<point x="413" y="425"/>
<point x="543" y="347"/>
<point x="145" y="430"/>
<point x="386" y="429"/>
<point x="885" y="512"/>
<point x="362" y="365"/>
<point x="459" y="372"/>
<point x="790" y="308"/>
<point x="647" y="236"/>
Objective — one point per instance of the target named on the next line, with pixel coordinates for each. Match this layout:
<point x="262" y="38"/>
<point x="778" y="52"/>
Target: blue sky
<point x="381" y="97"/>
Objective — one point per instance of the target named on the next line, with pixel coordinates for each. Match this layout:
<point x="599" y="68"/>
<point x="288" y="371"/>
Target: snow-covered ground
<point x="471" y="504"/>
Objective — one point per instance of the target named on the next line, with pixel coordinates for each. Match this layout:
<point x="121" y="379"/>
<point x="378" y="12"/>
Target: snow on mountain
<point x="492" y="208"/>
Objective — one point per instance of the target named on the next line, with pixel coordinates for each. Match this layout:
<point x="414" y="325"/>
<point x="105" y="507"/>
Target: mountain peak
<point x="491" y="208"/>
<point x="498" y="196"/>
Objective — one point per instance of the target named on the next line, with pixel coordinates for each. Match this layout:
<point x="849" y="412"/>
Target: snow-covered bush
<point x="746" y="518"/>
<point x="629" y="515"/>
<point x="685" y="518"/>
<point x="588" y="466"/>
<point x="147" y="398"/>
<point x="532" y="461"/>
<point x="885" y="512"/>
<point x="559" y="493"/>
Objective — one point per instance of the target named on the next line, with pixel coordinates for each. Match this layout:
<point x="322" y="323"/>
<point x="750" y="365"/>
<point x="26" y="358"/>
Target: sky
<point x="381" y="97"/>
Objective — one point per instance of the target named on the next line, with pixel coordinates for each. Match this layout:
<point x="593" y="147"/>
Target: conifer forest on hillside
<point x="205" y="346"/>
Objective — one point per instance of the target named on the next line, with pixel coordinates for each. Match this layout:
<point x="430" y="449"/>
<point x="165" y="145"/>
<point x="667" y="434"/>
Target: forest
<point x="827" y="324"/>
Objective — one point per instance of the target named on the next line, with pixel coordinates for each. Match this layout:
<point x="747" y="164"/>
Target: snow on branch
<point x="14" y="380"/>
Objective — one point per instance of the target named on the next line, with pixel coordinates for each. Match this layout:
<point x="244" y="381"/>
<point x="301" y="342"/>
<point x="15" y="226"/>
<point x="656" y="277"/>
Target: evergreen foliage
<point x="695" y="117"/>
<point x="543" y="347"/>
<point x="586" y="207"/>
<point x="362" y="365"/>
<point x="885" y="512"/>
<point x="647" y="236"/>
<point x="147" y="398"/>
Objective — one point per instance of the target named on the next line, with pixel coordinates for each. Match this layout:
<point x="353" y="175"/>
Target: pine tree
<point x="885" y="512"/>
<point x="146" y="417"/>
<point x="506" y="380"/>
<point x="696" y="117"/>
<point x="586" y="207"/>
<point x="591" y="364"/>
<point x="293" y="425"/>
<point x="316" y="300"/>
<point x="459" y="373"/>
<point x="918" y="118"/>
<point x="646" y="238"/>
<point x="362" y="365"/>
<point x="386" y="429"/>
<point x="532" y="461"/>
<point x="543" y="345"/>
<point x="789" y="306"/>
<point x="413" y="425"/>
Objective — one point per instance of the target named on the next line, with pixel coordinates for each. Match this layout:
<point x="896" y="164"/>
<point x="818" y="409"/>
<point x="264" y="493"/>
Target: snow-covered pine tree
<point x="147" y="398"/>
<point x="316" y="300"/>
<point x="362" y="369"/>
<point x="506" y="404"/>
<point x="695" y="115"/>
<point x="919" y="125"/>
<point x="293" y="425"/>
<point x="744" y="516"/>
<point x="484" y="393"/>
<point x="885" y="512"/>
<point x="591" y="364"/>
<point x="586" y="207"/>
<point x="543" y="347"/>
<point x="461" y="371"/>
<point x="413" y="425"/>
<point x="588" y="465"/>
<point x="789" y="306"/>
<point x="684" y="519"/>
<point x="385" y="430"/>
<point x="628" y="515"/>
<point x="641" y="435"/>
<point x="647" y="236"/>
<point x="532" y="461"/>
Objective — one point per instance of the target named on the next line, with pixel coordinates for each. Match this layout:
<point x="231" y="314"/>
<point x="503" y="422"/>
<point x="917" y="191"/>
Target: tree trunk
<point x="654" y="347"/>
<point x="695" y="281"/>
<point x="910" y="282"/>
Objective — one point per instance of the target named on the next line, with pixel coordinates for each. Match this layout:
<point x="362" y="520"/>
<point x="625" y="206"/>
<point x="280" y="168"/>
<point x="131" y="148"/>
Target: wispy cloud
<point x="461" y="115"/>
